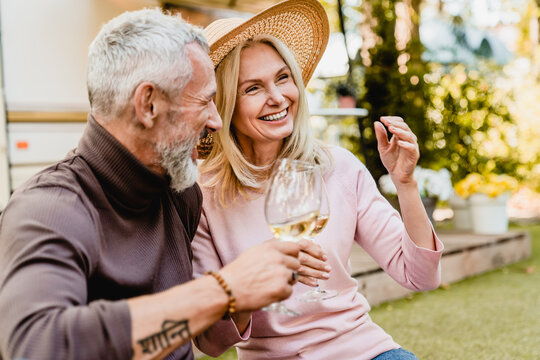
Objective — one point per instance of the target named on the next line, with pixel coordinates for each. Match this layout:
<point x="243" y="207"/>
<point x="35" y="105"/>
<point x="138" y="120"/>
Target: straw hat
<point x="302" y="25"/>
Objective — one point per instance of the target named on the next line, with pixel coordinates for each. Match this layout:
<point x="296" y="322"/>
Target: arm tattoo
<point x="161" y="340"/>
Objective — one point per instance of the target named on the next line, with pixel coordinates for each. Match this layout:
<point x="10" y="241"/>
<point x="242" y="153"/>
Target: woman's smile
<point x="275" y="117"/>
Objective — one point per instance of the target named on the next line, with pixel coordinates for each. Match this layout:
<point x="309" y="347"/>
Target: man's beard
<point x="176" y="160"/>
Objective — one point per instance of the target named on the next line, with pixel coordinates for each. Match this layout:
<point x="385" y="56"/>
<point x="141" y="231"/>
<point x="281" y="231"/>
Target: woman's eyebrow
<point x="285" y="67"/>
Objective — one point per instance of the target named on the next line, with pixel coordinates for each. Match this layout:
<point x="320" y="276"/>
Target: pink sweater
<point x="338" y="328"/>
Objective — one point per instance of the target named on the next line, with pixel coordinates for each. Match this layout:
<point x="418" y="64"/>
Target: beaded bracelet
<point x="232" y="300"/>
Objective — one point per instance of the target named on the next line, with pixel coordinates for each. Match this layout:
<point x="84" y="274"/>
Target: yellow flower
<point x="492" y="185"/>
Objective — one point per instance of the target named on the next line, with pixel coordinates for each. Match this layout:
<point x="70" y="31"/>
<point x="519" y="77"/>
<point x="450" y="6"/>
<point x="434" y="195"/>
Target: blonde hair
<point x="227" y="169"/>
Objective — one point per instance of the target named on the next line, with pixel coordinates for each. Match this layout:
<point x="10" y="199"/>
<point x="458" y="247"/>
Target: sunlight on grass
<point x="491" y="316"/>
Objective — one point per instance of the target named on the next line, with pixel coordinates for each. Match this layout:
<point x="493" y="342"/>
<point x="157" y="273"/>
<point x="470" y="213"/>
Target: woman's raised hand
<point x="399" y="155"/>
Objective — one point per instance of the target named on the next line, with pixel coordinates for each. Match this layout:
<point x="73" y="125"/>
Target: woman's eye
<point x="251" y="89"/>
<point x="283" y="76"/>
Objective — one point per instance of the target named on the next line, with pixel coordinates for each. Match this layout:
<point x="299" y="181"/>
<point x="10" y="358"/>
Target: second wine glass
<point x="291" y="207"/>
<point x="318" y="293"/>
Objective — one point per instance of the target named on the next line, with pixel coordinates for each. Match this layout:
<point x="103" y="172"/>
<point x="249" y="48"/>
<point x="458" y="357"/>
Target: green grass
<point x="228" y="355"/>
<point x="488" y="317"/>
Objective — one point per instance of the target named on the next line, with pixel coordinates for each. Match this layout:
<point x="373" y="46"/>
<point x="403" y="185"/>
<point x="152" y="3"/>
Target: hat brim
<point x="302" y="25"/>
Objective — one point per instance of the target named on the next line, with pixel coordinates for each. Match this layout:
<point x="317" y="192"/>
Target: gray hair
<point x="137" y="46"/>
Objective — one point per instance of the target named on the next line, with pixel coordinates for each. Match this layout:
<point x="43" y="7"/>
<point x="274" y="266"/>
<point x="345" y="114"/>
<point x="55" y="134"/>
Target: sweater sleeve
<point x="48" y="241"/>
<point x="382" y="234"/>
<point x="224" y="334"/>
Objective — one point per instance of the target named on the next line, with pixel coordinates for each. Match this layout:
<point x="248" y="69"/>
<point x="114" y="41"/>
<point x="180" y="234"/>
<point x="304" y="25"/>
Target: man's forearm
<point x="162" y="322"/>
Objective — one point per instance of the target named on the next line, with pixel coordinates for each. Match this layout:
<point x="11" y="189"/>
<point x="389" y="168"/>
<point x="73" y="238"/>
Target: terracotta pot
<point x="346" y="102"/>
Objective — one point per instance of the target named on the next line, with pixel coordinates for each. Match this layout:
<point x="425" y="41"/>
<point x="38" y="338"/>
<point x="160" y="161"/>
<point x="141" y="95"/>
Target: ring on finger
<point x="294" y="276"/>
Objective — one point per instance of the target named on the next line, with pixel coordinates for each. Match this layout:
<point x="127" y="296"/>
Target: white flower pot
<point x="462" y="212"/>
<point x="489" y="214"/>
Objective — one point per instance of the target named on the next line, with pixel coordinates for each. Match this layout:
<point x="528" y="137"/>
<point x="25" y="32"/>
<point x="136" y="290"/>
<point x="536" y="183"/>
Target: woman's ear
<point x="145" y="104"/>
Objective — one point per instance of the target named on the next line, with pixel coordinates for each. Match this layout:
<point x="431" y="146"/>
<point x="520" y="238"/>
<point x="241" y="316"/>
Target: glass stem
<point x="317" y="287"/>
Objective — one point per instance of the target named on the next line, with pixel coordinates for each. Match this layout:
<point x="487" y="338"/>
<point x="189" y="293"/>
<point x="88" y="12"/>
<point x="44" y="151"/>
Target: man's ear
<point x="145" y="103"/>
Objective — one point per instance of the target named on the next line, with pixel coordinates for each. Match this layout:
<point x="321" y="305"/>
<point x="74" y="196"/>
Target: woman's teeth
<point x="274" y="117"/>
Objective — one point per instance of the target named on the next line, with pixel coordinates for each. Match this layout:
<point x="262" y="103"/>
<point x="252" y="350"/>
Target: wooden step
<point x="465" y="255"/>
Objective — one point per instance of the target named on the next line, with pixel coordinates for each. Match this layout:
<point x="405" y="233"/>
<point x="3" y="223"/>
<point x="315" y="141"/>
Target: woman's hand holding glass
<point x="313" y="263"/>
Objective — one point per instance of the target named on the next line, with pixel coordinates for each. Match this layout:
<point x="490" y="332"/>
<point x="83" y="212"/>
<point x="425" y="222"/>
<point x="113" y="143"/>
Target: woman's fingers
<point x="393" y="123"/>
<point x="407" y="145"/>
<point x="392" y="120"/>
<point x="311" y="272"/>
<point x="308" y="276"/>
<point x="309" y="263"/>
<point x="403" y="134"/>
<point x="306" y="280"/>
<point x="312" y="248"/>
<point x="311" y="269"/>
<point x="382" y="137"/>
<point x="312" y="263"/>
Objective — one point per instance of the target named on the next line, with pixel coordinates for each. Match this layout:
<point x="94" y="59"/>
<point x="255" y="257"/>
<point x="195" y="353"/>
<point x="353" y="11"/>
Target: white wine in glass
<point x="318" y="293"/>
<point x="295" y="229"/>
<point x="320" y="223"/>
<point x="291" y="206"/>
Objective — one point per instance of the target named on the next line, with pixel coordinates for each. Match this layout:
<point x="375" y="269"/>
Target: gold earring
<point x="205" y="145"/>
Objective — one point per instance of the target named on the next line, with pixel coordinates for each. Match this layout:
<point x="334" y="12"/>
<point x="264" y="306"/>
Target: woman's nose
<point x="275" y="96"/>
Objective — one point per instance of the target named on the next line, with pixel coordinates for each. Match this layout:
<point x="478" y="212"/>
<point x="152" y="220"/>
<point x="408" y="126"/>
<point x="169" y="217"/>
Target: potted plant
<point x="432" y="186"/>
<point x="462" y="212"/>
<point x="487" y="196"/>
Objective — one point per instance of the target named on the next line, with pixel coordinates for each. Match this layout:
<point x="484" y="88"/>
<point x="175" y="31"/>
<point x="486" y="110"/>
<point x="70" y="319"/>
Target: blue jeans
<point x="396" y="354"/>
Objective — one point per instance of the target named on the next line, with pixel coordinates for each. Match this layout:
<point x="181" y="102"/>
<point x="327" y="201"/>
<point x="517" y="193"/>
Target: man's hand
<point x="263" y="274"/>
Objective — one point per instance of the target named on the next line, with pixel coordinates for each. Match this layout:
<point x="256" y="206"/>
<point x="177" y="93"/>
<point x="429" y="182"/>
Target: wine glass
<point x="291" y="207"/>
<point x="318" y="293"/>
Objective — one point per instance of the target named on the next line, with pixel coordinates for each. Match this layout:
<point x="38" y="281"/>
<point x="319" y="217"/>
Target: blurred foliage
<point x="463" y="118"/>
<point x="524" y="45"/>
<point x="393" y="82"/>
<point x="527" y="110"/>
<point x="471" y="129"/>
<point x="524" y="78"/>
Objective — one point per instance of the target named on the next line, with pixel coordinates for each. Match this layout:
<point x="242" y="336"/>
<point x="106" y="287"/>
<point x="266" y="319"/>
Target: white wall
<point x="4" y="175"/>
<point x="45" y="44"/>
<point x="44" y="49"/>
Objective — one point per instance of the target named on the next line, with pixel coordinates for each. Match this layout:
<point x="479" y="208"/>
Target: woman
<point x="261" y="100"/>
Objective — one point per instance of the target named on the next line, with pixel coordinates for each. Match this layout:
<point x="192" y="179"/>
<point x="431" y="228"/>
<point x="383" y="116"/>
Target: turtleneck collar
<point x="125" y="180"/>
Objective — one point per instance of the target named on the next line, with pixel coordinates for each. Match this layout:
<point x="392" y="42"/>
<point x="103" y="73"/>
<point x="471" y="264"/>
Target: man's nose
<point x="214" y="122"/>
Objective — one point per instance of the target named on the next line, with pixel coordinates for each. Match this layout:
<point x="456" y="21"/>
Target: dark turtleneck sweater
<point x="80" y="237"/>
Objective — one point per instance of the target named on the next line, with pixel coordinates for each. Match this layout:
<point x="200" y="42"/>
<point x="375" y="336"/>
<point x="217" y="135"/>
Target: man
<point x="95" y="257"/>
